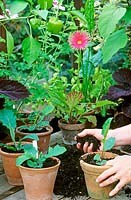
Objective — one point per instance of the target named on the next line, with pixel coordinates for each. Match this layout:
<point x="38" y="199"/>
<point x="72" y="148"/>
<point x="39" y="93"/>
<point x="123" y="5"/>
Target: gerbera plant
<point x="79" y="41"/>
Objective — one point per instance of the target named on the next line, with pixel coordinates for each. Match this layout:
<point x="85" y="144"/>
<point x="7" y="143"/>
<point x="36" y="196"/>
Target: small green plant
<point x="18" y="146"/>
<point x="36" y="119"/>
<point x="33" y="160"/>
<point x="107" y="143"/>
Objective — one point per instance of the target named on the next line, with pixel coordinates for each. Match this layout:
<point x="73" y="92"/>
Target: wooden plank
<point x="10" y="191"/>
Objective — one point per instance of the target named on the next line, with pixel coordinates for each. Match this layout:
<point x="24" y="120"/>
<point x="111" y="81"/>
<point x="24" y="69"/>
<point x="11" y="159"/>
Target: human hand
<point x="91" y="132"/>
<point x="120" y="171"/>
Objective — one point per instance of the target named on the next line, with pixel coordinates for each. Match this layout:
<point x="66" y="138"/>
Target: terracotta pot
<point x="11" y="170"/>
<point x="69" y="131"/>
<point x="91" y="172"/>
<point x="39" y="183"/>
<point x="44" y="138"/>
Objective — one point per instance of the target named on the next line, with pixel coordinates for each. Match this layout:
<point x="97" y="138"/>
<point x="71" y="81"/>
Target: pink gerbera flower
<point x="79" y="40"/>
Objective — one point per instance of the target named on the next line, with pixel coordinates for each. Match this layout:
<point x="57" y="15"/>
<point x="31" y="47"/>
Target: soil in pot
<point x="47" y="163"/>
<point x="9" y="164"/>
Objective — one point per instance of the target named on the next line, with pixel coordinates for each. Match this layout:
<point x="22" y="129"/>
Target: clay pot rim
<point x="47" y="132"/>
<point x="41" y="169"/>
<point x="73" y="126"/>
<point x="12" y="154"/>
<point x="96" y="166"/>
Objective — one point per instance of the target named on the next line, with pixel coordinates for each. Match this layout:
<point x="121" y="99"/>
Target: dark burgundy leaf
<point x="126" y="109"/>
<point x="123" y="76"/>
<point x="2" y="101"/>
<point x="120" y="120"/>
<point x="116" y="92"/>
<point x="13" y="89"/>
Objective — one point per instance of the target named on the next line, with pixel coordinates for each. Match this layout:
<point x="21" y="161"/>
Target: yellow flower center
<point x="79" y="42"/>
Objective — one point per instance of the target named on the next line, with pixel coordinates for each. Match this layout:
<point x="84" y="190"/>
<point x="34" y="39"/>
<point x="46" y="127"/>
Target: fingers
<point x="118" y="187"/>
<point x="94" y="132"/>
<point x="86" y="148"/>
<point x="107" y="173"/>
<point x="108" y="181"/>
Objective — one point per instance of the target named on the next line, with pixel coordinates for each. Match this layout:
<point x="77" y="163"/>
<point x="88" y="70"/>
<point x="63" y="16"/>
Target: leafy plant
<point x="15" y="91"/>
<point x="113" y="25"/>
<point x="37" y="119"/>
<point x="18" y="146"/>
<point x="121" y="91"/>
<point x="34" y="160"/>
<point x="69" y="102"/>
<point x="106" y="143"/>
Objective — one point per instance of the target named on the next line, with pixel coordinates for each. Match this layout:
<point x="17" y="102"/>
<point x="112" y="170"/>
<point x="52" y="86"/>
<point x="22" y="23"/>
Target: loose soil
<point x="90" y="139"/>
<point x="70" y="178"/>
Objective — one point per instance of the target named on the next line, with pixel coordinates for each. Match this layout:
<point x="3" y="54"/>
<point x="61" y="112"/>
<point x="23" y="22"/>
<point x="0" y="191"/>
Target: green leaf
<point x="79" y="15"/>
<point x="42" y="13"/>
<point x="22" y="159"/>
<point x="8" y="118"/>
<point x="102" y="162"/>
<point x="17" y="6"/>
<point x="47" y="110"/>
<point x="92" y="119"/>
<point x="106" y="126"/>
<point x="109" y="143"/>
<point x="97" y="157"/>
<point x="31" y="49"/>
<point x="109" y="18"/>
<point x="10" y="42"/>
<point x="114" y="42"/>
<point x="105" y="103"/>
<point x="127" y="16"/>
<point x="31" y="136"/>
<point x="57" y="150"/>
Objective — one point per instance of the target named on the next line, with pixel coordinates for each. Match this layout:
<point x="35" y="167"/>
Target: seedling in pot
<point x="31" y="158"/>
<point x="8" y="119"/>
<point x="107" y="144"/>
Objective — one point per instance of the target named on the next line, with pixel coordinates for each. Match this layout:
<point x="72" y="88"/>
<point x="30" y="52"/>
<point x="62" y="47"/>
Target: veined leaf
<point x="109" y="143"/>
<point x="31" y="49"/>
<point x="106" y="127"/>
<point x="17" y="6"/>
<point x="10" y="43"/>
<point x="108" y="19"/>
<point x="42" y="13"/>
<point x="79" y="15"/>
<point x="114" y="42"/>
<point x="8" y="118"/>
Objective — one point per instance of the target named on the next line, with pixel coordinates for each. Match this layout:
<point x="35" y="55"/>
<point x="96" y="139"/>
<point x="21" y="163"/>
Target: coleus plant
<point x="15" y="91"/>
<point x="107" y="144"/>
<point x="121" y="91"/>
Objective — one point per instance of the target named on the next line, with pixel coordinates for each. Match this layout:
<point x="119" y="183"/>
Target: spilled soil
<point x="70" y="178"/>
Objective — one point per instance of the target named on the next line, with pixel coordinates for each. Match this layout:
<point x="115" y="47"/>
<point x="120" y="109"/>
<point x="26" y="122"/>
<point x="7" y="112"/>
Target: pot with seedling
<point x="38" y="124"/>
<point x="13" y="90"/>
<point x="39" y="171"/>
<point x="71" y="108"/>
<point x="10" y="151"/>
<point x="73" y="114"/>
<point x="93" y="164"/>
